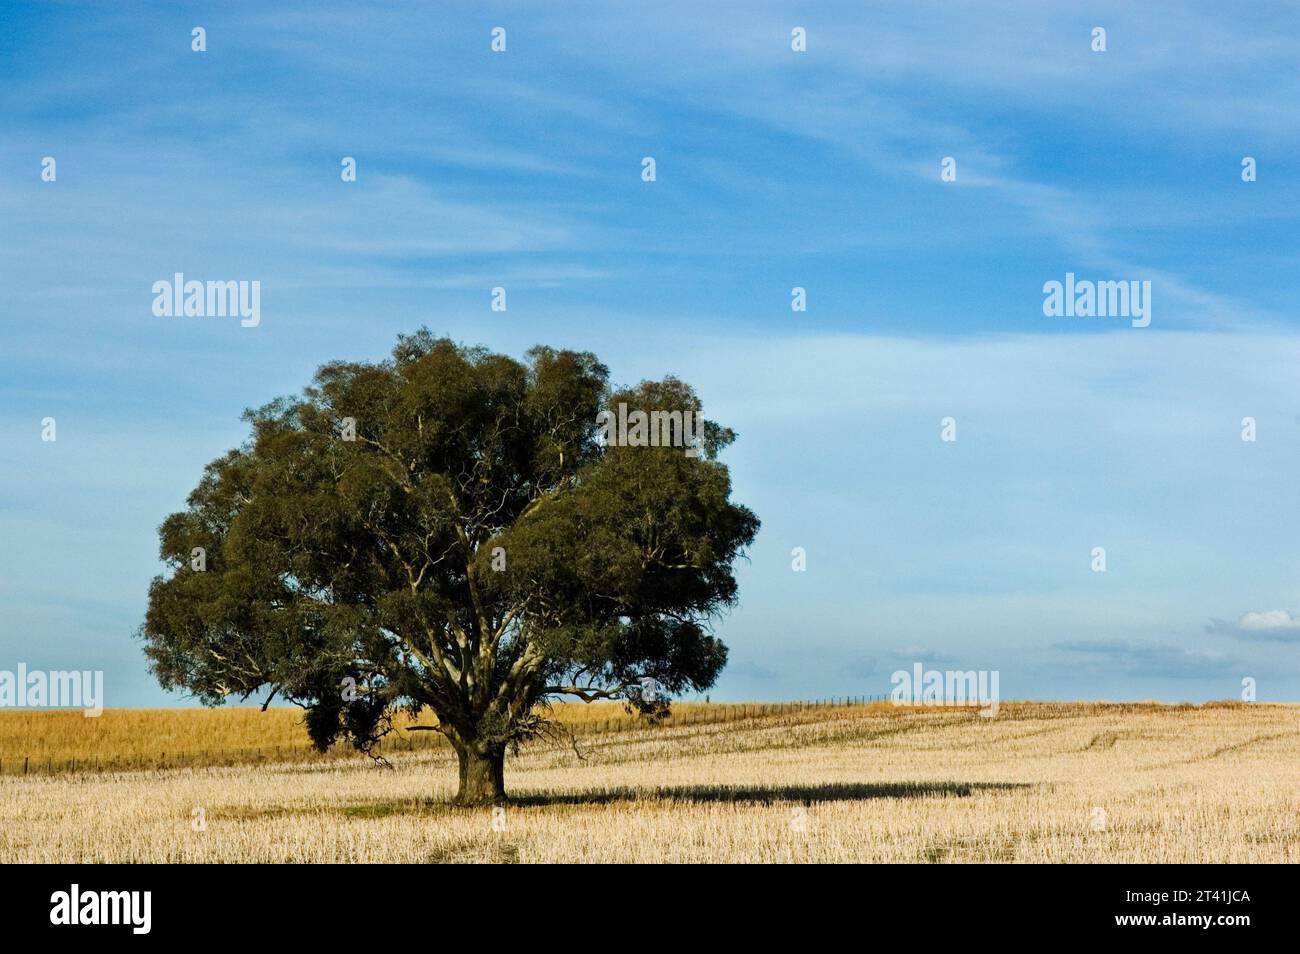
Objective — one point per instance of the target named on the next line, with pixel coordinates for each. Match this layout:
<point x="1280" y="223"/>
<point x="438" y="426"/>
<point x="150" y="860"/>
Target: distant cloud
<point x="1138" y="659"/>
<point x="1278" y="625"/>
<point x="918" y="654"/>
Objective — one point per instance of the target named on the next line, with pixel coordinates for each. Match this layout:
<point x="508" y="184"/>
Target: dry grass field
<point x="1039" y="783"/>
<point x="43" y="741"/>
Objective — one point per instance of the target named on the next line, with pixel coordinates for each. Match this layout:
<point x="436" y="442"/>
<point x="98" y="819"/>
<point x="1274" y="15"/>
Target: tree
<point x="447" y="529"/>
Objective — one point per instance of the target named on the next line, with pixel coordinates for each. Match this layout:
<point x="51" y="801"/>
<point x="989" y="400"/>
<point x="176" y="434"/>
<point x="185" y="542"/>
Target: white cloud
<point x="1275" y="624"/>
<point x="1269" y="619"/>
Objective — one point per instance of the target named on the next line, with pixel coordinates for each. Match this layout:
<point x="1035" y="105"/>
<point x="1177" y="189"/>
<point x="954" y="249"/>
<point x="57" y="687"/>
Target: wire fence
<point x="690" y="714"/>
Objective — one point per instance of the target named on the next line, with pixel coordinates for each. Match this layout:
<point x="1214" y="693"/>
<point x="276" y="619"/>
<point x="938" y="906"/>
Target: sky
<point x="774" y="169"/>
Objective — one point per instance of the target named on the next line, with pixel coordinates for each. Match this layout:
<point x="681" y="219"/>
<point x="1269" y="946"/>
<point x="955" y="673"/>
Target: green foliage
<point x="358" y="576"/>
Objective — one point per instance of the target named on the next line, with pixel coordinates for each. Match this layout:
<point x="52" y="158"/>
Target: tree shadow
<point x="764" y="794"/>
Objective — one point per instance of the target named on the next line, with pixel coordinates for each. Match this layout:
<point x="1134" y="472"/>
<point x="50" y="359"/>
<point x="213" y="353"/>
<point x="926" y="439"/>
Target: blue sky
<point x="775" y="169"/>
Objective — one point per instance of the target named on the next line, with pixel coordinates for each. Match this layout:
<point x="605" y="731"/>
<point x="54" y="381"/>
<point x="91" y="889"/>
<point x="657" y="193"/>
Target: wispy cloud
<point x="1276" y="625"/>
<point x="1152" y="661"/>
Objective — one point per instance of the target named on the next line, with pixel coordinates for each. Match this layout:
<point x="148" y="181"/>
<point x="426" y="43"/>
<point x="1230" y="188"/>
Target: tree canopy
<point x="448" y="529"/>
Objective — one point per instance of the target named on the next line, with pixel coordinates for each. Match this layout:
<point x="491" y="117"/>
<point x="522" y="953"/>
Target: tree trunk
<point x="482" y="775"/>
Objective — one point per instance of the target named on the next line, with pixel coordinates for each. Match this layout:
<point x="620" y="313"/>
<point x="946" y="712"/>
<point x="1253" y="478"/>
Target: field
<point x="1038" y="783"/>
<point x="55" y="741"/>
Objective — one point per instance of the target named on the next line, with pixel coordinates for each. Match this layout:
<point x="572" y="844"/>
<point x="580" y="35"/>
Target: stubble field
<point x="1038" y="783"/>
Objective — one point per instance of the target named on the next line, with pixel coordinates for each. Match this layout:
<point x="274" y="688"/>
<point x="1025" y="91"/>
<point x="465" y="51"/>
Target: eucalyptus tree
<point x="452" y="530"/>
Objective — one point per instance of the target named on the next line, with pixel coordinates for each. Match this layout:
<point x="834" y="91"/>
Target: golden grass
<point x="66" y="740"/>
<point x="1176" y="784"/>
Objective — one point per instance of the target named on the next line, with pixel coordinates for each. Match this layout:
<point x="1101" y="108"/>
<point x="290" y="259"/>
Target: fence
<point x="691" y="714"/>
